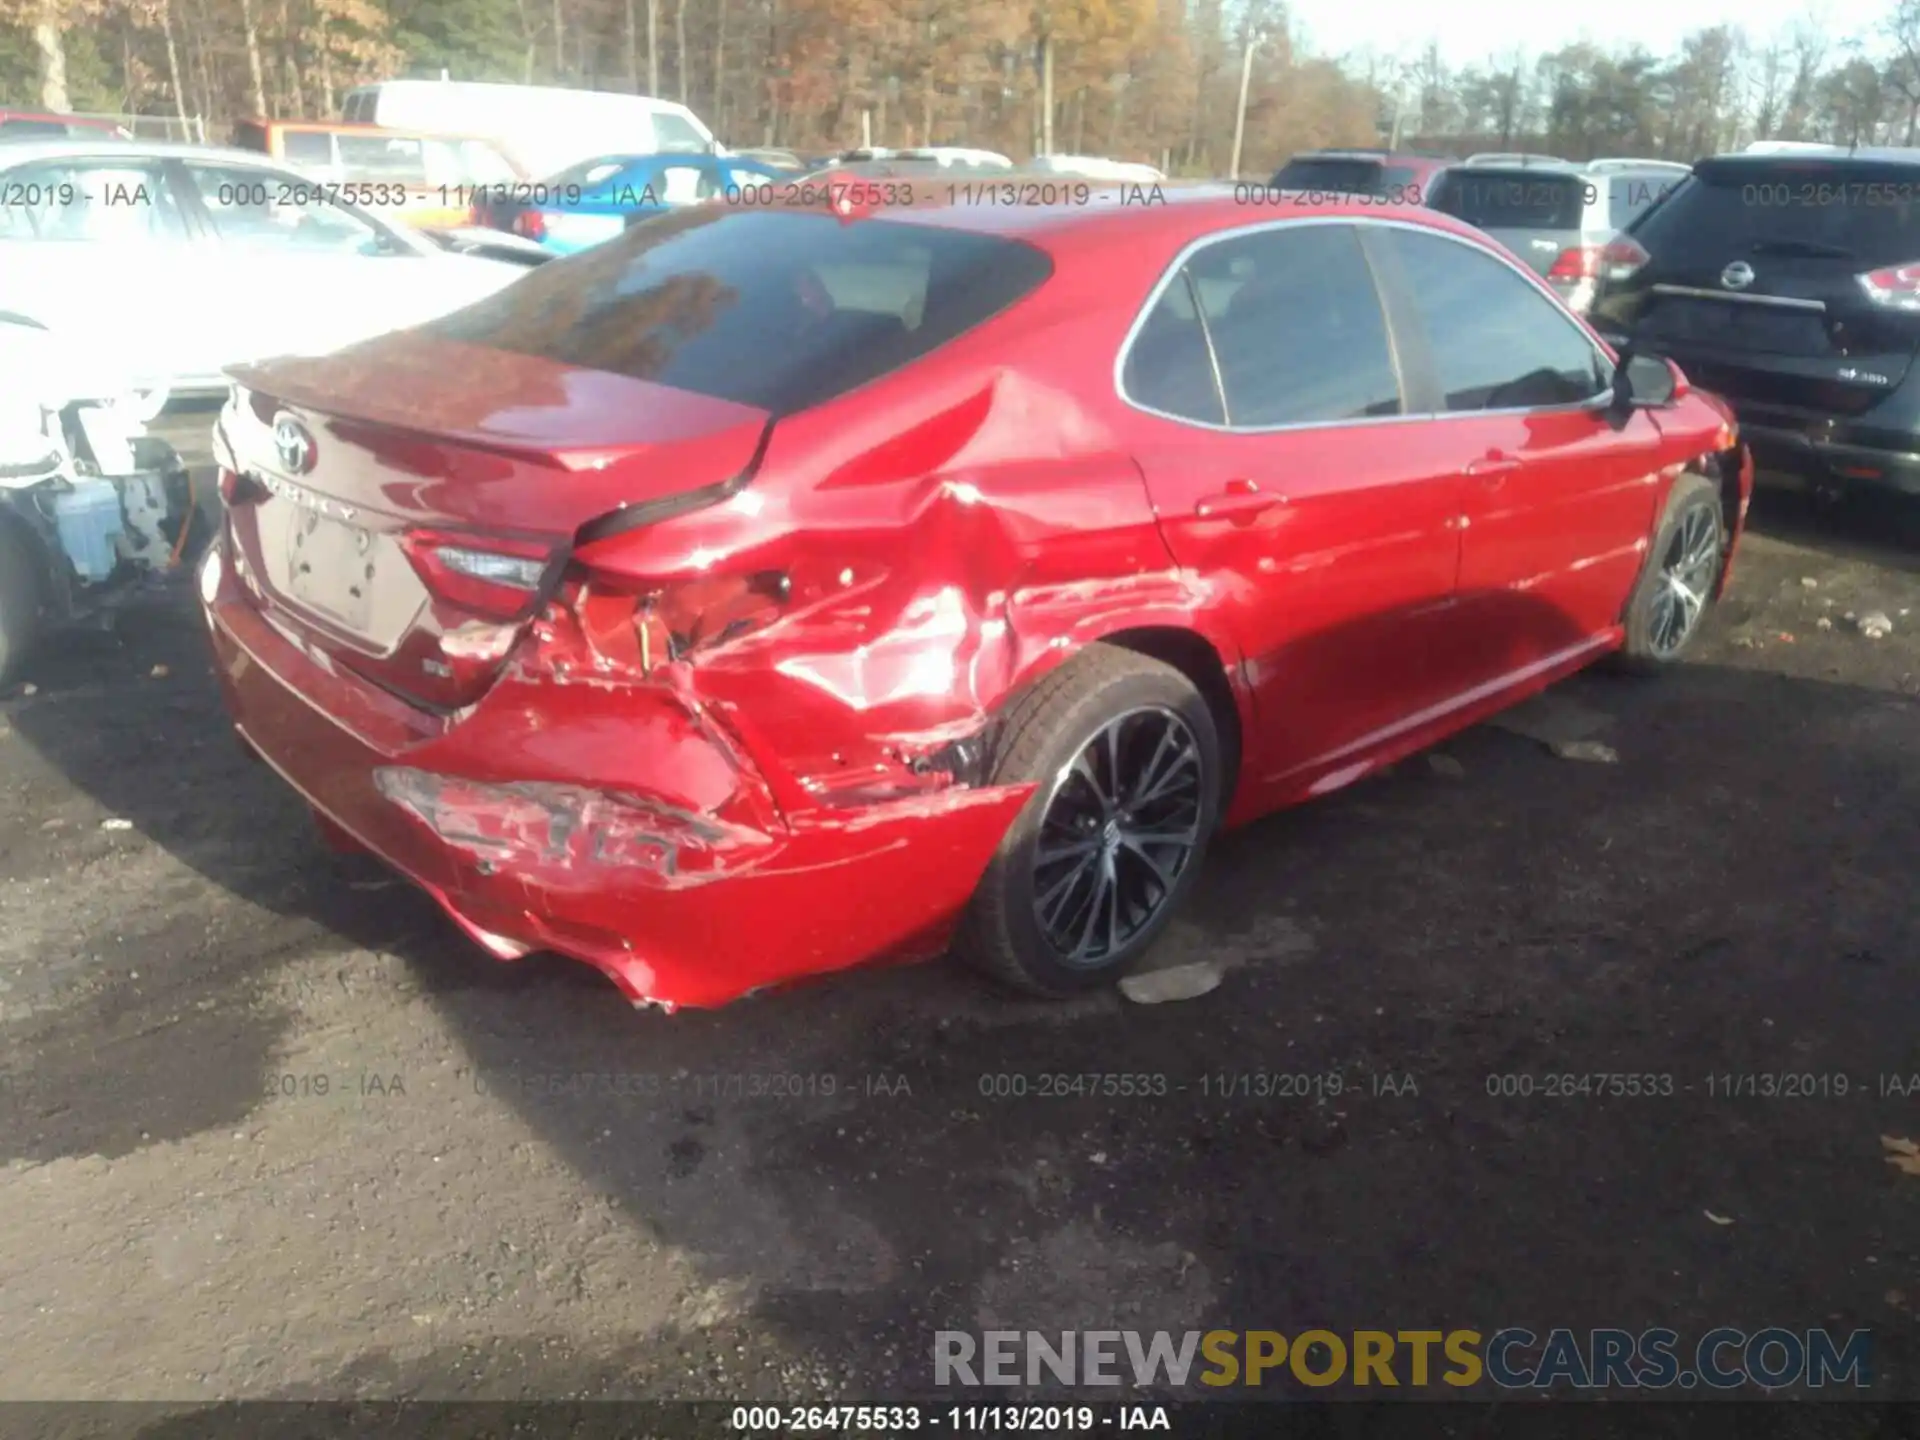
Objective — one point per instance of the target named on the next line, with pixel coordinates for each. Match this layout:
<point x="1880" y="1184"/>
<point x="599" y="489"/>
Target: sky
<point x="1475" y="29"/>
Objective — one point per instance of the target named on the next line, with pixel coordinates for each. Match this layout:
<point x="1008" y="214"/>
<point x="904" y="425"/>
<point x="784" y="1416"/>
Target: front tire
<point x="1127" y="760"/>
<point x="1675" y="590"/>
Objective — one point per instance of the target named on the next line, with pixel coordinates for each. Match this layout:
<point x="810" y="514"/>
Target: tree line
<point x="1154" y="80"/>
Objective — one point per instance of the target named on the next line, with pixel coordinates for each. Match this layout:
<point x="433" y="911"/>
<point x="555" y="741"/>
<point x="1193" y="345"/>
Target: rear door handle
<point x="1493" y="467"/>
<point x="1240" y="502"/>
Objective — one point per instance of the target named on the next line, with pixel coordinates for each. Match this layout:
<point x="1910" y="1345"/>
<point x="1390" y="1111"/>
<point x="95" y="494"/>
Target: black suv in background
<point x="1790" y="285"/>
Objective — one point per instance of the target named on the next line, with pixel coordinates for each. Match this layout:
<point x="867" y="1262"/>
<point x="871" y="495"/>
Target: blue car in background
<point x="596" y="199"/>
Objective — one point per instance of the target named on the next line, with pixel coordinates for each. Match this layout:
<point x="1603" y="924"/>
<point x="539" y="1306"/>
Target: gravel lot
<point x="184" y="970"/>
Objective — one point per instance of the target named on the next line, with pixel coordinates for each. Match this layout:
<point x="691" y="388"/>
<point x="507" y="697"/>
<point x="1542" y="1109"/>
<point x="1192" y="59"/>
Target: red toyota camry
<point x="776" y="588"/>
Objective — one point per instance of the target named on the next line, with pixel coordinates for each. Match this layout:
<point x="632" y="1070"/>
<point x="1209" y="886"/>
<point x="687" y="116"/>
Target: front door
<point x="1558" y="503"/>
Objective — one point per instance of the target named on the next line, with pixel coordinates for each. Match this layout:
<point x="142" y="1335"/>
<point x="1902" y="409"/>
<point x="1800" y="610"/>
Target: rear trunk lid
<point x="1753" y="281"/>
<point x="371" y="484"/>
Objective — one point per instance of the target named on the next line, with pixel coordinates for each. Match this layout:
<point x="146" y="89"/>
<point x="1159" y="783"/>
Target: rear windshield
<point x="778" y="309"/>
<point x="1844" y="210"/>
<point x="1631" y="194"/>
<point x="1343" y="175"/>
<point x="1512" y="199"/>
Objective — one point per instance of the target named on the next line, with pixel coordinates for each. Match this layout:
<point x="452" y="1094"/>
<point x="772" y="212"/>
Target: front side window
<point x="1497" y="343"/>
<point x="255" y="210"/>
<point x="95" y="202"/>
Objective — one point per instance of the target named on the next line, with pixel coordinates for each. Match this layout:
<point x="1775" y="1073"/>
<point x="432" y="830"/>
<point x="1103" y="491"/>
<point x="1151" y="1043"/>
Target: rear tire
<point x="1675" y="591"/>
<point x="1127" y="759"/>
<point x="20" y="622"/>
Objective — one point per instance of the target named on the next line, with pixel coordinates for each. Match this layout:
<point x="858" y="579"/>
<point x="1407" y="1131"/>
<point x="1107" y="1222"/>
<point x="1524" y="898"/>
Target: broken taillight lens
<point x="634" y="624"/>
<point x="489" y="577"/>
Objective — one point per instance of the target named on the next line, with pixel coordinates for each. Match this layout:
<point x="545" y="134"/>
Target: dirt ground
<point x="273" y="1128"/>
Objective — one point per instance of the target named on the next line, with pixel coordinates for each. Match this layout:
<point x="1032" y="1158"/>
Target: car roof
<point x="1884" y="154"/>
<point x="1126" y="211"/>
<point x="357" y="127"/>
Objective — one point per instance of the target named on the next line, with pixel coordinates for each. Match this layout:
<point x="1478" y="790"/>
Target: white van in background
<point x="542" y="128"/>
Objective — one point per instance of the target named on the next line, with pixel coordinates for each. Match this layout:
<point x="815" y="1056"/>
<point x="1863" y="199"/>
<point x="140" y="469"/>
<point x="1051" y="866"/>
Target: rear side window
<point x="1335" y="175"/>
<point x="249" y="136"/>
<point x="1813" y="209"/>
<point x="1512" y="199"/>
<point x="306" y="147"/>
<point x="778" y="309"/>
<point x="1295" y="327"/>
<point x="1496" y="342"/>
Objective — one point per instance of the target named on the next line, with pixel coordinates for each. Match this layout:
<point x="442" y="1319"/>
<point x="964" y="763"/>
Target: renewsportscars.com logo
<point x="1510" y="1359"/>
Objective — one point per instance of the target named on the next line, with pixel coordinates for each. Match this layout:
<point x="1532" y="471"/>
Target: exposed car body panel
<point x="809" y="793"/>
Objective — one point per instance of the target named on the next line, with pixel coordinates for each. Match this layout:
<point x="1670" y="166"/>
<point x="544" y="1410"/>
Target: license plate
<point x="110" y="438"/>
<point x="330" y="568"/>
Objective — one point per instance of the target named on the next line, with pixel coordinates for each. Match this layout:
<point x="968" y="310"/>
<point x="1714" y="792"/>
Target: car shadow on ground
<point x="855" y="1163"/>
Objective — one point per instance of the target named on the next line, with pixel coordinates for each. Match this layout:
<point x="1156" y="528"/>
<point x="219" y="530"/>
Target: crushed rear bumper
<point x="621" y="827"/>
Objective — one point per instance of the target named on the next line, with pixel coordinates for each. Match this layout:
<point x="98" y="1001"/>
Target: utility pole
<point x="1240" y="119"/>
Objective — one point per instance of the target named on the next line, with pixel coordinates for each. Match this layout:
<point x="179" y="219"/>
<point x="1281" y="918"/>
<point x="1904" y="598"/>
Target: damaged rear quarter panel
<point x="951" y="533"/>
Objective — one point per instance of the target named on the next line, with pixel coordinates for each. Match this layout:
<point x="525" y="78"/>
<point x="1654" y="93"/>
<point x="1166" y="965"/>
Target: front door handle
<point x="1239" y="502"/>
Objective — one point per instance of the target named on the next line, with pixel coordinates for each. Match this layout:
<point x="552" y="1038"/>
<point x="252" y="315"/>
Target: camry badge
<point x="294" y="444"/>
<point x="1737" y="276"/>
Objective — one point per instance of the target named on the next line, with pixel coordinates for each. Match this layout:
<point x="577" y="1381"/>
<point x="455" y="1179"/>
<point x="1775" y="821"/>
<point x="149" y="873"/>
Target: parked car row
<point x="1785" y="278"/>
<point x="1562" y="219"/>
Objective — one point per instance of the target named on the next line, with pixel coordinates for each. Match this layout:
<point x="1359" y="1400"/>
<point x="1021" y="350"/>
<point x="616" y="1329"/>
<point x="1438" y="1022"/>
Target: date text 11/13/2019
<point x="954" y="1419"/>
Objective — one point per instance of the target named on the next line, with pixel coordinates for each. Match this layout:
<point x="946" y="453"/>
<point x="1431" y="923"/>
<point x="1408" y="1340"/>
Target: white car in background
<point x="1096" y="167"/>
<point x="544" y="129"/>
<point x="185" y="259"/>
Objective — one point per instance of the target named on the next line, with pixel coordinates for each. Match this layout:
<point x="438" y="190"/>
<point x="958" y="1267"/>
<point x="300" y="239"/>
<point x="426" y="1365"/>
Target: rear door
<point x="1535" y="213"/>
<point x="1285" y="483"/>
<point x="1783" y="282"/>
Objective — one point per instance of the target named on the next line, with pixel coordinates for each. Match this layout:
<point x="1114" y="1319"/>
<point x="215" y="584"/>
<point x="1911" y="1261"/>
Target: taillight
<point x="1620" y="257"/>
<point x="530" y="225"/>
<point x="1578" y="262"/>
<point x="1615" y="260"/>
<point x="493" y="578"/>
<point x="635" y="625"/>
<point x="1897" y="287"/>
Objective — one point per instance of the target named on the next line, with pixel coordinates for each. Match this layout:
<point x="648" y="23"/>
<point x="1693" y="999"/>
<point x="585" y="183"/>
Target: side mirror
<point x="1641" y="382"/>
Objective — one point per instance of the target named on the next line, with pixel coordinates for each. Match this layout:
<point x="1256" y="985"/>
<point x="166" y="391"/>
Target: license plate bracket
<point x="330" y="568"/>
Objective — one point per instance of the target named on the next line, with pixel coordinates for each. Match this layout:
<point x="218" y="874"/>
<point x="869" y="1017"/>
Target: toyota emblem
<point x="1737" y="276"/>
<point x="294" y="443"/>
